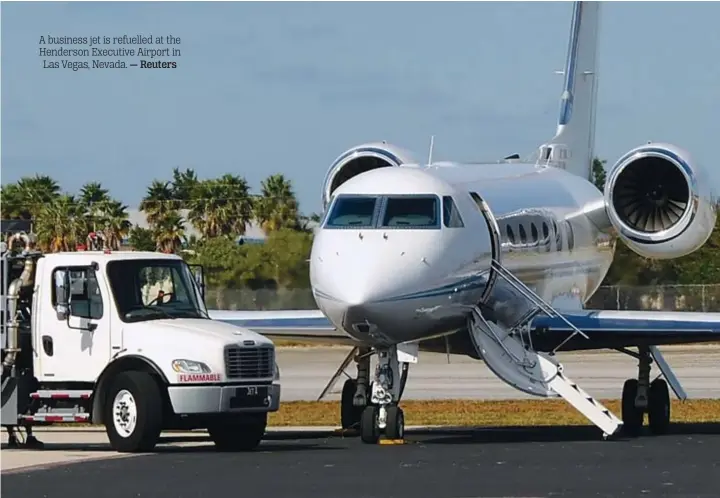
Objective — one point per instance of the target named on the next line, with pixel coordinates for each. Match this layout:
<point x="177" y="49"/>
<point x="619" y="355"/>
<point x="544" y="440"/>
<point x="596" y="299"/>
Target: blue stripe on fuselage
<point x="593" y="321"/>
<point x="280" y="323"/>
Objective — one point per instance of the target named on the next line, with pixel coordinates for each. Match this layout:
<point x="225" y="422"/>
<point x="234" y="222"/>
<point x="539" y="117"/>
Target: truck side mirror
<point x="62" y="294"/>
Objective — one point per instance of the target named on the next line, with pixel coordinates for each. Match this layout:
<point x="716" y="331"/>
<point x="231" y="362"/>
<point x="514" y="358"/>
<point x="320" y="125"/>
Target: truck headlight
<point x="276" y="375"/>
<point x="190" y="366"/>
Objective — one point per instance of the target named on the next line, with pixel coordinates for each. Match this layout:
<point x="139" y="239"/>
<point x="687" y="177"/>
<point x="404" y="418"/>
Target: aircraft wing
<point x="302" y="326"/>
<point x="606" y="329"/>
<point x="615" y="329"/>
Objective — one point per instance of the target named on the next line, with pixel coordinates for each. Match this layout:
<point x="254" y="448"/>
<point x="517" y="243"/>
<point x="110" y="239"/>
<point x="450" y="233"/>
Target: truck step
<point x="49" y="417"/>
<point x="48" y="394"/>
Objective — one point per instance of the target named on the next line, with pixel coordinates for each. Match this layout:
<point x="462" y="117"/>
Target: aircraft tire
<point x="369" y="426"/>
<point x="659" y="407"/>
<point x="241" y="433"/>
<point x="631" y="415"/>
<point x="350" y="414"/>
<point x="395" y="428"/>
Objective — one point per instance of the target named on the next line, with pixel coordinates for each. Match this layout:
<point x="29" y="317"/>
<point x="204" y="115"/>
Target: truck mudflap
<point x="238" y="398"/>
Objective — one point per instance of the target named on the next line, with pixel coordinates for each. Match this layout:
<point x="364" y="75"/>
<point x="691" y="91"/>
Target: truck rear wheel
<point x="133" y="412"/>
<point x="240" y="433"/>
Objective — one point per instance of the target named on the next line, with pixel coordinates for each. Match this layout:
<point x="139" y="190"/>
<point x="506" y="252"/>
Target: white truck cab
<point x="124" y="339"/>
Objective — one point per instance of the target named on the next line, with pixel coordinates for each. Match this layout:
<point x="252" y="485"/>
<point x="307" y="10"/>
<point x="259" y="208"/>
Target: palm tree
<point x="26" y="198"/>
<point x="59" y="225"/>
<point x="92" y="197"/>
<point x="305" y="222"/>
<point x="222" y="207"/>
<point x="169" y="233"/>
<point x="116" y="225"/>
<point x="41" y="187"/>
<point x="277" y="207"/>
<point x="183" y="185"/>
<point x="14" y="203"/>
<point x="158" y="202"/>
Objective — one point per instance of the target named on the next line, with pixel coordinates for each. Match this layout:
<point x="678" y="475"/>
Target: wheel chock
<point x="389" y="442"/>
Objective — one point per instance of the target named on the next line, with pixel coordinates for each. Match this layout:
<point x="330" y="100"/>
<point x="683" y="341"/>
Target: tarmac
<point x="306" y="371"/>
<point x="462" y="463"/>
<point x="439" y="463"/>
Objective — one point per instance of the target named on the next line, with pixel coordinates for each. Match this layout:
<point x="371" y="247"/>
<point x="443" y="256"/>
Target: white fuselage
<point x="391" y="284"/>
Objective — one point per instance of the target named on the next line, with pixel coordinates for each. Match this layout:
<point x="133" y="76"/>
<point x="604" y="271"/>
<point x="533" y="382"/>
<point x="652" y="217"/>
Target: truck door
<point x="75" y="331"/>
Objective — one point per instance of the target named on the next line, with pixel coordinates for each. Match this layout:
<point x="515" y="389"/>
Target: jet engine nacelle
<point x="660" y="202"/>
<point x="360" y="159"/>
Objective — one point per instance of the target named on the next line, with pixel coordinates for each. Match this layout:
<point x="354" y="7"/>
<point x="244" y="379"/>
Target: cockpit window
<point x="451" y="215"/>
<point x="352" y="212"/>
<point x="411" y="212"/>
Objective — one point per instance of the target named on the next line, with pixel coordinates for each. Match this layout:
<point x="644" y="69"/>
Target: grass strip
<point x="476" y="413"/>
<point x="542" y="412"/>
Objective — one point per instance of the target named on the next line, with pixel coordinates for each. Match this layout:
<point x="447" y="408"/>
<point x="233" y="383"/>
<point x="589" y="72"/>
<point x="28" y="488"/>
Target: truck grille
<point x="249" y="362"/>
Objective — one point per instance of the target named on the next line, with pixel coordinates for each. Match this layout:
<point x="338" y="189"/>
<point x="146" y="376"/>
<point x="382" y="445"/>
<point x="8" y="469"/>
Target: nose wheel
<point x="370" y="425"/>
<point x="395" y="423"/>
<point x="392" y="417"/>
<point x="382" y="414"/>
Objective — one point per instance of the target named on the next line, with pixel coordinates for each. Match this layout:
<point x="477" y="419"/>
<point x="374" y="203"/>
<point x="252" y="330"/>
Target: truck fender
<point x="122" y="364"/>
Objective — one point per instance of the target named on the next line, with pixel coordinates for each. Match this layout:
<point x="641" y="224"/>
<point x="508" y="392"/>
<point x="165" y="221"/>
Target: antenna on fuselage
<point x="432" y="145"/>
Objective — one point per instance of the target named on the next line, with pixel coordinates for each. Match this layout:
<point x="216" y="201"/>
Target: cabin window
<point x="558" y="237"/>
<point x="510" y="234"/>
<point x="546" y="237"/>
<point x="570" y="236"/>
<point x="534" y="232"/>
<point x="451" y="215"/>
<point x="523" y="235"/>
<point x="411" y="212"/>
<point x="352" y="212"/>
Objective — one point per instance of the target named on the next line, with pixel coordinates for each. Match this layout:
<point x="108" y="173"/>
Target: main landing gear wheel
<point x="659" y="407"/>
<point x="350" y="414"/>
<point x="395" y="426"/>
<point x="369" y="425"/>
<point x="632" y="416"/>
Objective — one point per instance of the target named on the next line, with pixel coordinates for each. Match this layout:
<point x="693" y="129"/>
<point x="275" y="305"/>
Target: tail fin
<point x="573" y="146"/>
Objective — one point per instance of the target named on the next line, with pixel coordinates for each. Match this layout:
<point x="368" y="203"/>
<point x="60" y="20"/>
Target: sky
<point x="265" y="88"/>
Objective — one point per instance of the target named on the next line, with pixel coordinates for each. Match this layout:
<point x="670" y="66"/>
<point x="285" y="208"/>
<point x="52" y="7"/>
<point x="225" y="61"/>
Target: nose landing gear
<point x="373" y="407"/>
<point x="383" y="413"/>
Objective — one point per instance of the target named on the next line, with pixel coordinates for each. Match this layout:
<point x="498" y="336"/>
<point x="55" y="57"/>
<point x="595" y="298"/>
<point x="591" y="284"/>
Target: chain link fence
<point x="657" y="298"/>
<point x="649" y="298"/>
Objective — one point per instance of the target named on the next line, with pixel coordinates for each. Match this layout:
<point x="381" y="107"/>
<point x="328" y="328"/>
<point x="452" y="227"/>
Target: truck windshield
<point x="153" y="289"/>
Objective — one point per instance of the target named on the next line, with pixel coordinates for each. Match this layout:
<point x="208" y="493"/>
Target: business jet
<point x="495" y="261"/>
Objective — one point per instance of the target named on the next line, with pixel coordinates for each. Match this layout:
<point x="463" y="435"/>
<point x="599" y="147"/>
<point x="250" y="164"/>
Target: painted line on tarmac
<point x="61" y="463"/>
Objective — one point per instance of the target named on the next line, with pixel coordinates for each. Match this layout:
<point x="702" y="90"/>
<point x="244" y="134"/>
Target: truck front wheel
<point x="133" y="412"/>
<point x="239" y="433"/>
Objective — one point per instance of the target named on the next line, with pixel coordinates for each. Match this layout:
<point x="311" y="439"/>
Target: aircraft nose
<point x="355" y="281"/>
<point x="361" y="284"/>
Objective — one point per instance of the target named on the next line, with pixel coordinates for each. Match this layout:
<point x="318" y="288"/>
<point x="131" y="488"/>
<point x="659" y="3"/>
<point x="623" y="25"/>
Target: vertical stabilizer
<point x="573" y="146"/>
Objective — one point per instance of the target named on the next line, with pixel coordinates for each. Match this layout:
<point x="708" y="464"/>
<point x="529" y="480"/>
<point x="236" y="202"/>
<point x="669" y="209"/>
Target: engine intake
<point x="660" y="202"/>
<point x="359" y="159"/>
